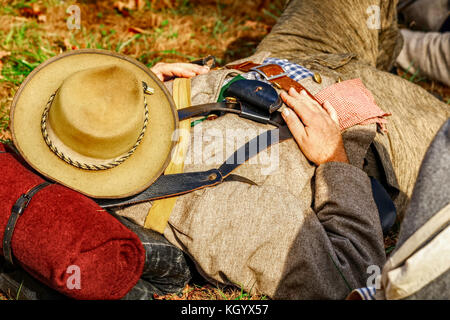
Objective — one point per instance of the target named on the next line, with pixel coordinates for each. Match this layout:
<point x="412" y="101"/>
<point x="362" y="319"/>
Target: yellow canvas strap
<point x="159" y="213"/>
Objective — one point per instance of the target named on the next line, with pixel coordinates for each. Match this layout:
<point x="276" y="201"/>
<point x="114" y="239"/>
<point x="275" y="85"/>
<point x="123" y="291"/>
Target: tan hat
<point x="96" y="121"/>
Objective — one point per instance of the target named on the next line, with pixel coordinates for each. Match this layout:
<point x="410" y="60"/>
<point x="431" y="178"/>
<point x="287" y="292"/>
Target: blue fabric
<point x="367" y="293"/>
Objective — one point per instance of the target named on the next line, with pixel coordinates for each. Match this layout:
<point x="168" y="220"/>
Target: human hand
<point x="315" y="129"/>
<point x="167" y="71"/>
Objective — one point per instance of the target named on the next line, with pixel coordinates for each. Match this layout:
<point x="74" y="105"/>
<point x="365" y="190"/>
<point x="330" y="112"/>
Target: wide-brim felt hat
<point x="95" y="121"/>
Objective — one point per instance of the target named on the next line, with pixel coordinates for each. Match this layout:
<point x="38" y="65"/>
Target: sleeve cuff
<point x="341" y="182"/>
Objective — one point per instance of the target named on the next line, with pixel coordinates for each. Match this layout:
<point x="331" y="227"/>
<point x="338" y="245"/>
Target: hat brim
<point x="134" y="175"/>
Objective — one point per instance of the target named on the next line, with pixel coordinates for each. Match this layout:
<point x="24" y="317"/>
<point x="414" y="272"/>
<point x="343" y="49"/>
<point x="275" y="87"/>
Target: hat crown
<point x="98" y="112"/>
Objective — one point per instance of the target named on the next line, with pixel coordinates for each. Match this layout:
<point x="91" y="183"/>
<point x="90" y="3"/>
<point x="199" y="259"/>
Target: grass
<point x="209" y="292"/>
<point x="166" y="30"/>
<point x="33" y="31"/>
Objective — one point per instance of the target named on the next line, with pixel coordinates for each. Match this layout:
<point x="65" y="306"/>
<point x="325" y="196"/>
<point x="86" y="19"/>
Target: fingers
<point x="306" y="99"/>
<point x="301" y="102"/>
<point x="311" y="102"/>
<point x="180" y="71"/>
<point x="294" y="124"/>
<point x="201" y="69"/>
<point x="295" y="102"/>
<point x="156" y="69"/>
<point x="331" y="112"/>
<point x="166" y="71"/>
<point x="293" y="93"/>
<point x="302" y="93"/>
<point x="197" y="69"/>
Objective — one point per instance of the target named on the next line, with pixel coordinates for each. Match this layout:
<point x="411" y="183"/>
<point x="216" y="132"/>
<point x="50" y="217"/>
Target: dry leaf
<point x="5" y="135"/>
<point x="4" y="54"/>
<point x="251" y="24"/>
<point x="168" y="4"/>
<point x="34" y="11"/>
<point x="256" y="25"/>
<point x="140" y="4"/>
<point x="67" y="43"/>
<point x="42" y="18"/>
<point x="125" y="7"/>
<point x="137" y="30"/>
<point x="153" y="20"/>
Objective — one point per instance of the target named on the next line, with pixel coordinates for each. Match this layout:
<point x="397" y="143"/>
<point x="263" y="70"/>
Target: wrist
<point x="340" y="157"/>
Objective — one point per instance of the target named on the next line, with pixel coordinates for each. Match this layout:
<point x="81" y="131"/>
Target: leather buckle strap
<point x="17" y="210"/>
<point x="260" y="69"/>
<point x="236" y="107"/>
<point x="181" y="183"/>
<point x="244" y="66"/>
<point x="273" y="73"/>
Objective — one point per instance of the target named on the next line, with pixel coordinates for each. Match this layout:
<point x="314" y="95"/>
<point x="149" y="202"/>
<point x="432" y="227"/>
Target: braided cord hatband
<point x="87" y="166"/>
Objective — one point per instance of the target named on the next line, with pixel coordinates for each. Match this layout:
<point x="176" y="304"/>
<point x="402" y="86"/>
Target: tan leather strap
<point x="272" y="73"/>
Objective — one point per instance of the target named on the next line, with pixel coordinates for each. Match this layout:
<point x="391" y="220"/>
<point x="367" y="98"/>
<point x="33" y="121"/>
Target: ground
<point x="150" y="31"/>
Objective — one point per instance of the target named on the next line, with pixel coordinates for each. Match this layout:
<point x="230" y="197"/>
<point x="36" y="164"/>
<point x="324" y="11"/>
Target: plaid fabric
<point x="294" y="71"/>
<point x="353" y="103"/>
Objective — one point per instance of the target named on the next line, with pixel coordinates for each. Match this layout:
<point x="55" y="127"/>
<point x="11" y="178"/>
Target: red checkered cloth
<point x="353" y="103"/>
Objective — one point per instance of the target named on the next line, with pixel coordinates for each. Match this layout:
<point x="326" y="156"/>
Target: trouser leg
<point x="428" y="53"/>
<point x="310" y="27"/>
<point x="416" y="117"/>
<point x="424" y="15"/>
<point x="366" y="28"/>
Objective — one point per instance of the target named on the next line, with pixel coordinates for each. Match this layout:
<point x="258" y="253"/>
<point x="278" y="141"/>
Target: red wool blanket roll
<point x="66" y="240"/>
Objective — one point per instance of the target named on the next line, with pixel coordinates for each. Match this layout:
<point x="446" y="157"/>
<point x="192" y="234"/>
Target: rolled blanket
<point x="65" y="240"/>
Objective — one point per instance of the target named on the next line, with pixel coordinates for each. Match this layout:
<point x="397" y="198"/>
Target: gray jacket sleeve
<point x="345" y="208"/>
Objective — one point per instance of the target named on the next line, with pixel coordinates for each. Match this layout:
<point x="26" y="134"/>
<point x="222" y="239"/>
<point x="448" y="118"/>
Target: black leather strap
<point x="167" y="186"/>
<point x="177" y="184"/>
<point x="253" y="147"/>
<point x="10" y="149"/>
<point x="242" y="109"/>
<point x="16" y="211"/>
<point x="208" y="108"/>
